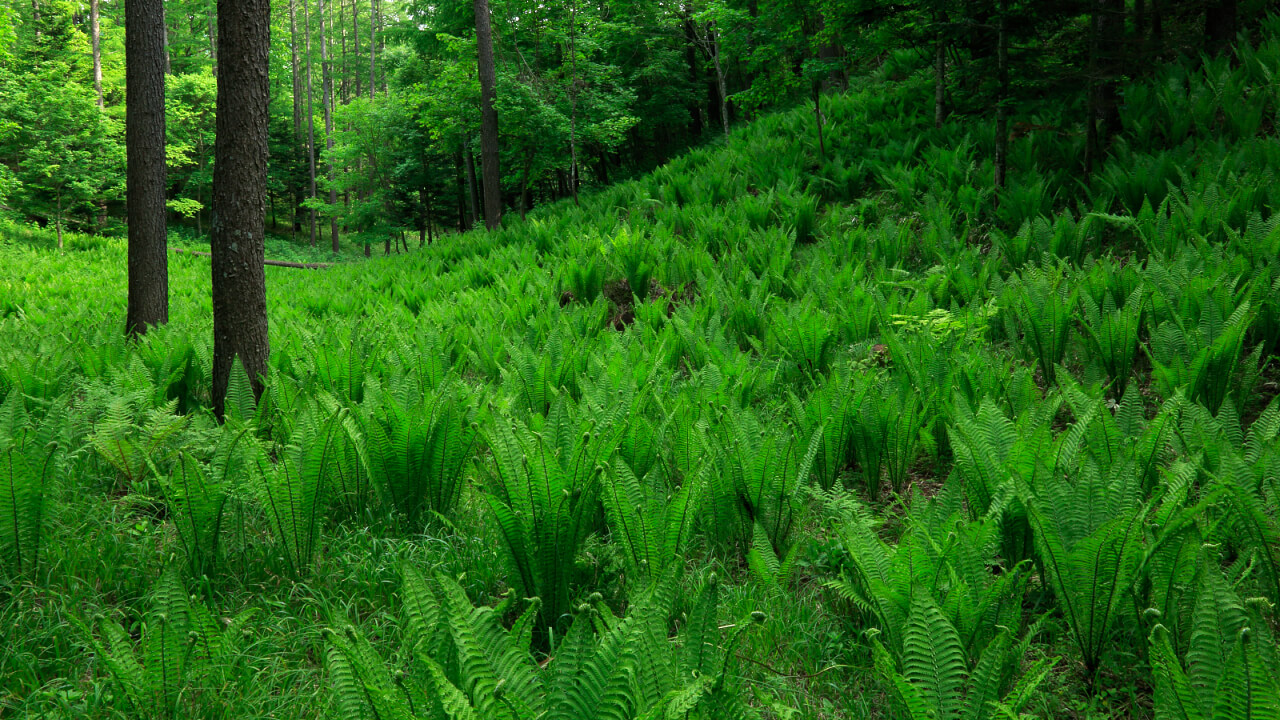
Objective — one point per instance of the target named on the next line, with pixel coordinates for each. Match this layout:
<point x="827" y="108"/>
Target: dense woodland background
<point x="375" y="106"/>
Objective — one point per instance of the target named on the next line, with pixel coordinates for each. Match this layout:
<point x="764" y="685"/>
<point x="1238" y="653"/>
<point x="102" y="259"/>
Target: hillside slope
<point x="951" y="442"/>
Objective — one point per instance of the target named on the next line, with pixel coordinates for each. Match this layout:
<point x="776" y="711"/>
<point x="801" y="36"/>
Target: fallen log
<point x="273" y="263"/>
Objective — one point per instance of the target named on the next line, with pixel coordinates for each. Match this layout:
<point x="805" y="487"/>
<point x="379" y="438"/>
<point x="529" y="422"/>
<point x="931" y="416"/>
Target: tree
<point x="145" y="145"/>
<point x="239" y="192"/>
<point x="69" y="154"/>
<point x="488" y="117"/>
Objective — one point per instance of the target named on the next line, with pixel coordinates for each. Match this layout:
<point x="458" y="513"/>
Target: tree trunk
<point x="296" y="223"/>
<point x="1111" y="35"/>
<point x="311" y="119"/>
<point x="462" y="194"/>
<point x="473" y="194"/>
<point x="722" y="85"/>
<point x="96" y="38"/>
<point x="213" y="41"/>
<point x="1220" y="18"/>
<point x="239" y="187"/>
<point x="492" y="175"/>
<point x="524" y="183"/>
<point x="573" y="103"/>
<point x="326" y="85"/>
<point x="939" y="73"/>
<point x="1002" y="109"/>
<point x="817" y="116"/>
<point x="373" y="65"/>
<point x="145" y="172"/>
<point x="355" y="39"/>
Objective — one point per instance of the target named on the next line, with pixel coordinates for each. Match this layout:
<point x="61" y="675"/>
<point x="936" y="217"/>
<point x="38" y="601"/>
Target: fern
<point x="292" y="492"/>
<point x="27" y="457"/>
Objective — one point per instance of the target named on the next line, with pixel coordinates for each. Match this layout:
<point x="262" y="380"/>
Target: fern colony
<point x="857" y="436"/>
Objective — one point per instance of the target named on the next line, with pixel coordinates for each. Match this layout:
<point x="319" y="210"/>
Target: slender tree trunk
<point x="213" y="40"/>
<point x="524" y="183"/>
<point x="1091" y="143"/>
<point x="573" y="102"/>
<point x="239" y="188"/>
<point x="462" y="195"/>
<point x="1111" y="35"/>
<point x="337" y="26"/>
<point x="817" y="116"/>
<point x="326" y="84"/>
<point x="355" y="38"/>
<point x="145" y="172"/>
<point x="373" y="64"/>
<point x="96" y="38"/>
<point x="712" y="48"/>
<point x="473" y="191"/>
<point x="296" y="222"/>
<point x="1220" y="17"/>
<point x="939" y="73"/>
<point x="1002" y="109"/>
<point x="492" y="177"/>
<point x="691" y="58"/>
<point x="57" y="222"/>
<point x="311" y="119"/>
<point x="164" y="22"/>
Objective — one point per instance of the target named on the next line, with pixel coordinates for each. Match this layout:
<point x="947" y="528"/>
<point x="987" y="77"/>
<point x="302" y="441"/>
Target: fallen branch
<point x="273" y="263"/>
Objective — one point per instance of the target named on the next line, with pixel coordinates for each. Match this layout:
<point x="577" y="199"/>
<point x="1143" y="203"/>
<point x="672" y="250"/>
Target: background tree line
<point x="375" y="114"/>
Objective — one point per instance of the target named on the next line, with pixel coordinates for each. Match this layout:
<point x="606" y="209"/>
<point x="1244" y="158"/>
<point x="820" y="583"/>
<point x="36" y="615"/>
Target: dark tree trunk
<point x="145" y="147"/>
<point x="311" y="119"/>
<point x="326" y="84"/>
<point x="462" y="192"/>
<point x="691" y="59"/>
<point x="492" y="175"/>
<point x="1002" y="104"/>
<point x="1220" y="17"/>
<point x="239" y="188"/>
<point x="473" y="192"/>
<point x="95" y="32"/>
<point x="939" y="71"/>
<point x="524" y="183"/>
<point x="1111" y="35"/>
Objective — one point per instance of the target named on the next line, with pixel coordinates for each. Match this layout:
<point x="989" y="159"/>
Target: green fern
<point x="28" y="455"/>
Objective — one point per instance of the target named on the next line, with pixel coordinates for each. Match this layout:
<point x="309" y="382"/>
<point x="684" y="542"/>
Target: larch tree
<point x="145" y="173"/>
<point x="239" y="196"/>
<point x="492" y="175"/>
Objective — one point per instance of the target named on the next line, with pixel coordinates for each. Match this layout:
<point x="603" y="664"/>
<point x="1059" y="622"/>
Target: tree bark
<point x="1220" y="18"/>
<point x="1111" y="19"/>
<point x="296" y="223"/>
<point x="239" y="188"/>
<point x="373" y="64"/>
<point x="355" y="39"/>
<point x="213" y="41"/>
<point x="95" y="32"/>
<point x="326" y="84"/>
<point x="573" y="103"/>
<point x="145" y="172"/>
<point x="492" y="175"/>
<point x="473" y="191"/>
<point x="939" y="72"/>
<point x="1002" y="109"/>
<point x="311" y="119"/>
